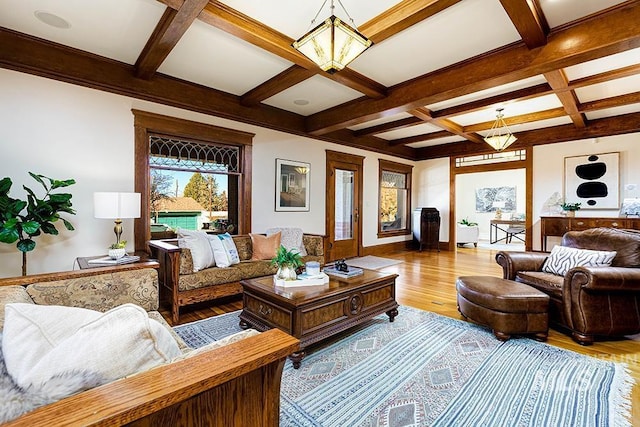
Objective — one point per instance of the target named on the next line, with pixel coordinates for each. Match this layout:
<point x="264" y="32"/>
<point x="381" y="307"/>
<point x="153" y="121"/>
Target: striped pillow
<point x="563" y="258"/>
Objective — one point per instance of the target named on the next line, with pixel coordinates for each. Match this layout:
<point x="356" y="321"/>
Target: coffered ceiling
<point x="428" y="87"/>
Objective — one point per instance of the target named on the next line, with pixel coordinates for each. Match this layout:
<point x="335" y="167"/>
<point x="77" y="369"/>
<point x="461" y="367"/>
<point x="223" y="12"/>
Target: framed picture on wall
<point x="292" y="186"/>
<point x="592" y="180"/>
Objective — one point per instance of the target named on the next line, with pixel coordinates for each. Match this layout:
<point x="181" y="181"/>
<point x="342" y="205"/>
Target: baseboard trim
<point x="406" y="245"/>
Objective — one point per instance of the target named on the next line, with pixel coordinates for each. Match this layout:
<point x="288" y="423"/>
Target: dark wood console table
<point x="558" y="225"/>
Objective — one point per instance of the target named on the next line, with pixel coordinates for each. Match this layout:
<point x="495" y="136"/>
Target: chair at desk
<point x="512" y="231"/>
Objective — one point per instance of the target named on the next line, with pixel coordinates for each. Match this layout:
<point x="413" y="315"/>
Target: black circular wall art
<point x="594" y="178"/>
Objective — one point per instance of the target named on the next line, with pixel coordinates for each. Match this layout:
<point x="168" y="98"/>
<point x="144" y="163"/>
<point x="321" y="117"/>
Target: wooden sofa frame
<point x="167" y="253"/>
<point x="238" y="384"/>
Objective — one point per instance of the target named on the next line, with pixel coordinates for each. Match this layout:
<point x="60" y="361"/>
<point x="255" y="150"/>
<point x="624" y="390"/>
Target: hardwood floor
<point x="427" y="281"/>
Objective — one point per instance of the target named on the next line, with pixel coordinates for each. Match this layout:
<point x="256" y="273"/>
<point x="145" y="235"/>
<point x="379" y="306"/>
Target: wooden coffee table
<point x="313" y="313"/>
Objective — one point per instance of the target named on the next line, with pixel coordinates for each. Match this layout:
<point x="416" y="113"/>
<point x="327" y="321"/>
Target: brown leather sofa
<point x="588" y="301"/>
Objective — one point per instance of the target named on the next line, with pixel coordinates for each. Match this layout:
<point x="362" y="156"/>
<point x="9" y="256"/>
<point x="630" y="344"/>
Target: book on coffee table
<point x="127" y="259"/>
<point x="351" y="272"/>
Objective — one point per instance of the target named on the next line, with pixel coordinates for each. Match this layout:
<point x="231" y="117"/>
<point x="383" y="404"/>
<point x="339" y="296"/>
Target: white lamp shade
<point x="499" y="204"/>
<point x="116" y="205"/>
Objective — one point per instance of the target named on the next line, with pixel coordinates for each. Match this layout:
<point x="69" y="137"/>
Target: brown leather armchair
<point x="588" y="301"/>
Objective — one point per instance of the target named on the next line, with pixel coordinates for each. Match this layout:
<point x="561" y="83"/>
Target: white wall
<point x="467" y="184"/>
<point x="548" y="173"/>
<point x="432" y="177"/>
<point x="65" y="131"/>
<point x="431" y="189"/>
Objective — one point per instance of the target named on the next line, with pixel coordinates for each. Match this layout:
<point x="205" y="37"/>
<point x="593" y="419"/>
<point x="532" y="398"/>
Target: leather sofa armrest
<point x="512" y="262"/>
<point x="604" y="279"/>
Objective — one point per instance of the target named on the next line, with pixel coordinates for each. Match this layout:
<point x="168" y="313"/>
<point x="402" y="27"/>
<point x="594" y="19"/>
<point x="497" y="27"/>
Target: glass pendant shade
<point x="500" y="137"/>
<point x="332" y="44"/>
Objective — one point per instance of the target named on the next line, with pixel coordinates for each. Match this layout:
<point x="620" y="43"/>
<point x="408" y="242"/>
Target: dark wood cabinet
<point x="426" y="227"/>
<point x="558" y="225"/>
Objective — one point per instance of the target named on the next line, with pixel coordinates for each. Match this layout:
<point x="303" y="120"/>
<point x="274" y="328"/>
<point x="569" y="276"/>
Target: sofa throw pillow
<point x="224" y="249"/>
<point x="264" y="247"/>
<point x="290" y="238"/>
<point x="563" y="258"/>
<point x="64" y="350"/>
<point x="198" y="243"/>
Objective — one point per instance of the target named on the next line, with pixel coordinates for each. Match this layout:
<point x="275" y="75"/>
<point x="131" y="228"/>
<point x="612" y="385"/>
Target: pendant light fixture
<point x="500" y="137"/>
<point x="333" y="44"/>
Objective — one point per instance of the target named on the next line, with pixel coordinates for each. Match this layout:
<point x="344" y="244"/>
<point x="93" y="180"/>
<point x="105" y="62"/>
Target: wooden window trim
<point x="387" y="165"/>
<point x="146" y="123"/>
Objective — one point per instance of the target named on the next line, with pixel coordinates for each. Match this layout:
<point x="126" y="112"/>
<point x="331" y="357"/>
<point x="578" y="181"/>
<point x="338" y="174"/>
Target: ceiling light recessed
<point x="52" y="20"/>
<point x="301" y="102"/>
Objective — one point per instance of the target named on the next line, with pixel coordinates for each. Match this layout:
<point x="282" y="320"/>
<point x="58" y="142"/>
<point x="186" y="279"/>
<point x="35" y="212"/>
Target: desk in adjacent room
<point x="511" y="228"/>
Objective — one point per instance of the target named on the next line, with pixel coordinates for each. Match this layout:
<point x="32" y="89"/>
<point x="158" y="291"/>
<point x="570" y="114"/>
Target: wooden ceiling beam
<point x="528" y="20"/>
<point x="402" y="16"/>
<point x="614" y="101"/>
<point x="223" y="17"/>
<point x="592" y="38"/>
<point x="420" y="138"/>
<point x="480" y="104"/>
<point x="289" y="77"/>
<point x="385" y="127"/>
<point x="606" y="76"/>
<point x="446" y="124"/>
<point x="618" y="125"/>
<point x="168" y="31"/>
<point x="28" y="54"/>
<point x="517" y="120"/>
<point x="560" y="84"/>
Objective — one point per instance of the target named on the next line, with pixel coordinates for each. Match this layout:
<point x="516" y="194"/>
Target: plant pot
<point x="286" y="272"/>
<point x="116" y="253"/>
<point x="571" y="214"/>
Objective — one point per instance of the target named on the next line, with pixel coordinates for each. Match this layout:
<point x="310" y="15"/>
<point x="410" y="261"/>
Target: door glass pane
<point x="344" y="204"/>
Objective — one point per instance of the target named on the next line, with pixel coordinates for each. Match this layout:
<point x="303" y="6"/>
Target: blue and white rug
<point x="428" y="370"/>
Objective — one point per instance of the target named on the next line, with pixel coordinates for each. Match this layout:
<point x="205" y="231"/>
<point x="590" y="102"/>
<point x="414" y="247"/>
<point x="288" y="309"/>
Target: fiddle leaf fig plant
<point x="22" y="220"/>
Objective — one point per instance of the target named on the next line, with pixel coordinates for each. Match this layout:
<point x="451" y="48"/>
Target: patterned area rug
<point x="429" y="370"/>
<point x="372" y="262"/>
<point x="202" y="332"/>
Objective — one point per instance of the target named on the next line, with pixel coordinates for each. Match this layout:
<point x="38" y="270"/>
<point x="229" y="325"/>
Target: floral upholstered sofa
<point x="185" y="386"/>
<point x="182" y="284"/>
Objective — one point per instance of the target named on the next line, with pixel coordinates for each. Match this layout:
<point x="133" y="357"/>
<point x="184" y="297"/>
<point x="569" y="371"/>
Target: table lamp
<point x="499" y="206"/>
<point x="116" y="206"/>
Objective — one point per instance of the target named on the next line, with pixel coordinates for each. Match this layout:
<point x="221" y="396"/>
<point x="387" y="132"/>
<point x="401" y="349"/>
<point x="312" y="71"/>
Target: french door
<point x="343" y="204"/>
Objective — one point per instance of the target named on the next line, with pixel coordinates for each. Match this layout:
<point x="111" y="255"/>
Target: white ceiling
<point x="208" y="56"/>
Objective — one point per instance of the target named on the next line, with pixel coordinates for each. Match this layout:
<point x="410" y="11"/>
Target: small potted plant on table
<point x="570" y="208"/>
<point x="117" y="250"/>
<point x="287" y="261"/>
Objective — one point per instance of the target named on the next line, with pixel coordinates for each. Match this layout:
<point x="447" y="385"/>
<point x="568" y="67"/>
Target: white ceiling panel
<point x="600" y="65"/>
<point x="293" y="17"/>
<point x="116" y="29"/>
<point x="527" y="106"/>
<point x="560" y="12"/>
<point x="380" y="121"/>
<point x="480" y="25"/>
<point x="321" y="93"/>
<point x="447" y="140"/>
<point x="509" y="87"/>
<point x="608" y="89"/>
<point x="223" y="62"/>
<point x="610" y="112"/>
<point x="409" y="131"/>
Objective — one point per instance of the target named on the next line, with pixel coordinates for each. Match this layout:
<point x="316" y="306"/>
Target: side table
<point x="83" y="262"/>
